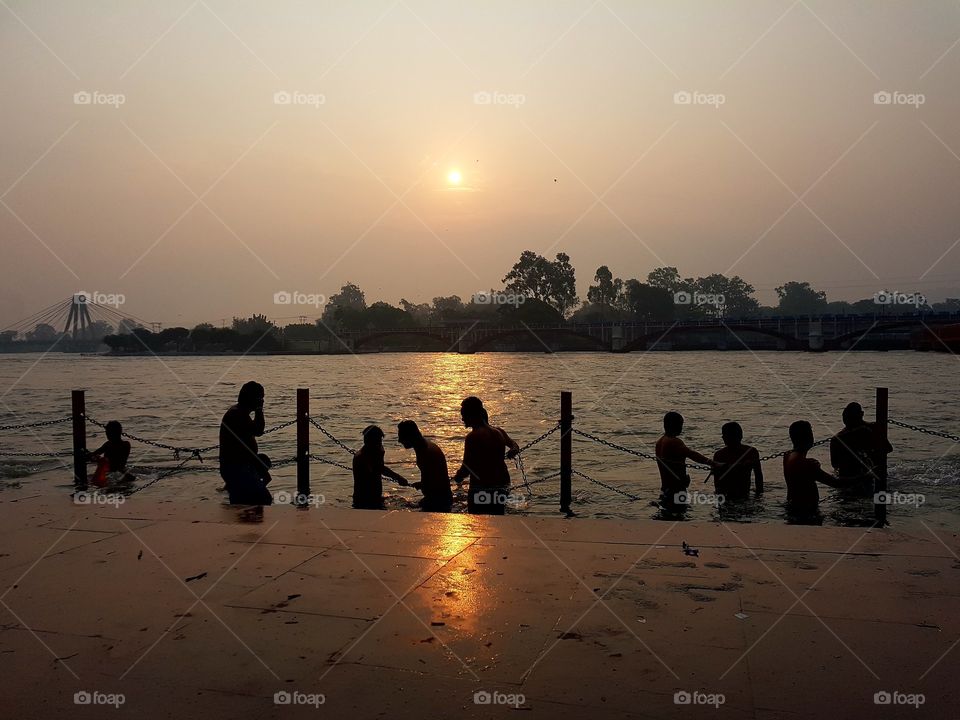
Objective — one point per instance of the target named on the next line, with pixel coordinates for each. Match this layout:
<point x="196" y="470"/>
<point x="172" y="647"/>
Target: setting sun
<point x="454" y="177"/>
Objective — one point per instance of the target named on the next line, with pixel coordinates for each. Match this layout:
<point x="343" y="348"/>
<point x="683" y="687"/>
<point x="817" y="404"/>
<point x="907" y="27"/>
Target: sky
<point x="198" y="157"/>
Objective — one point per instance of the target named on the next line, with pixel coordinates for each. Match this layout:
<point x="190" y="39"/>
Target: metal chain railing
<point x="41" y="423"/>
<point x="925" y="431"/>
<point x="327" y="461"/>
<point x="62" y="453"/>
<point x="541" y="438"/>
<point x="630" y="496"/>
<point x="330" y="435"/>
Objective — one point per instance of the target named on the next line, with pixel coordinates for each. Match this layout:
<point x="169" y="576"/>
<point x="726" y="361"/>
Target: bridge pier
<point x="815" y="335"/>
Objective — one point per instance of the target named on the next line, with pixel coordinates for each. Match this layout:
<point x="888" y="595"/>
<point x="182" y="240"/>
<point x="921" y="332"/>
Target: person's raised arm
<point x="822" y="476"/>
<point x="697" y="457"/>
<point x="836" y="450"/>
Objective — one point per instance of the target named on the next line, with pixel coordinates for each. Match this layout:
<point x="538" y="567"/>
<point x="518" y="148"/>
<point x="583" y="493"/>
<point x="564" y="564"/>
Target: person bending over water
<point x="802" y="474"/>
<point x="483" y="461"/>
<point x="368" y="471"/>
<point x="735" y="461"/>
<point x="857" y="450"/>
<point x="112" y="456"/>
<point x="241" y="468"/>
<point x="434" y="476"/>
<point x="672" y="455"/>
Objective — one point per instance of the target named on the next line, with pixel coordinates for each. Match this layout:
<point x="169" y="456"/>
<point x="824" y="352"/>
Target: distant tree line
<point x="536" y="290"/>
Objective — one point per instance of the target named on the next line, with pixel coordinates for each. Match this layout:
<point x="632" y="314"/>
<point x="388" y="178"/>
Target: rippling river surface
<point x="179" y="401"/>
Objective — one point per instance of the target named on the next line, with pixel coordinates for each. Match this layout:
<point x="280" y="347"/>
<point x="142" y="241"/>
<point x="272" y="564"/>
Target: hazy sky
<point x="201" y="195"/>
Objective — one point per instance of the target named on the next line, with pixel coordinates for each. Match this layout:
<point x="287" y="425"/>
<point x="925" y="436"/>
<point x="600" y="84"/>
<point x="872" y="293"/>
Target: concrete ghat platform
<point x="200" y="610"/>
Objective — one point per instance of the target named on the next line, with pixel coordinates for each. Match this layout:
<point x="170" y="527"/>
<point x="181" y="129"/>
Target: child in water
<point x="112" y="456"/>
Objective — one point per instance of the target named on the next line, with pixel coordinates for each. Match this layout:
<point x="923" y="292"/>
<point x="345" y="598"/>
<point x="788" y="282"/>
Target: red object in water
<point x="100" y="476"/>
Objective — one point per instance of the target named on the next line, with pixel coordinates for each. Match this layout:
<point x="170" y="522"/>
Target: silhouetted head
<point x="801" y="435"/>
<point x="732" y="434"/>
<point x="472" y="412"/>
<point x="250" y="395"/>
<point x="372" y="436"/>
<point x="673" y="423"/>
<point x="853" y="414"/>
<point x="113" y="429"/>
<point x="408" y="434"/>
<point x="265" y="460"/>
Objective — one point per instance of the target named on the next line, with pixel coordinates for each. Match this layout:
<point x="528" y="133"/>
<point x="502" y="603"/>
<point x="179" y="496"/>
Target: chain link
<point x="540" y="439"/>
<point x="925" y="431"/>
<point x="631" y="497"/>
<point x="177" y="451"/>
<point x="327" y="461"/>
<point x="41" y="423"/>
<point x="615" y="446"/>
<point x="326" y="432"/>
<point x="64" y="453"/>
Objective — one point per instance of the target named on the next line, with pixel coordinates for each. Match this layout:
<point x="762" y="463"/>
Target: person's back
<point x="367" y="478"/>
<point x="736" y="461"/>
<point x="117" y="452"/>
<point x="434" y="475"/>
<point x="858" y="448"/>
<point x="672" y="455"/>
<point x="238" y="441"/>
<point x="801" y="474"/>
<point x="484" y="451"/>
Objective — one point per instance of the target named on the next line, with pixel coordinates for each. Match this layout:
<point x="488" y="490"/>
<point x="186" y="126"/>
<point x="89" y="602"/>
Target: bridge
<point x="832" y="332"/>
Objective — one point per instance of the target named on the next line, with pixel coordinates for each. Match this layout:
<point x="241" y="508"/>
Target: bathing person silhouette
<point x="483" y="461"/>
<point x="368" y="469"/>
<point x="434" y="476"/>
<point x="240" y="467"/>
<point x="672" y="455"/>
<point x="112" y="456"/>
<point x="735" y="461"/>
<point x="802" y="474"/>
<point x="857" y="450"/>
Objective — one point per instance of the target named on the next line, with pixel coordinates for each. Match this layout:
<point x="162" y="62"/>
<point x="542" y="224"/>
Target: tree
<point x="607" y="290"/>
<point x="734" y="296"/>
<point x="254" y="325"/>
<point x="420" y="313"/>
<point x="344" y="309"/>
<point x="535" y="277"/>
<point x="42" y="332"/>
<point x="648" y="302"/>
<point x="798" y="298"/>
<point x="665" y="278"/>
<point x="383" y="316"/>
<point x="172" y="338"/>
<point x="99" y="329"/>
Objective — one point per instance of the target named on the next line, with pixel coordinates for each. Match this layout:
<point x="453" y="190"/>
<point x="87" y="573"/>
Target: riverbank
<point x="189" y="609"/>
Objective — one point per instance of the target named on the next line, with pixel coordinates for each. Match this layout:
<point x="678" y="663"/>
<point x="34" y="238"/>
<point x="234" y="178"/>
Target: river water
<point x="179" y="401"/>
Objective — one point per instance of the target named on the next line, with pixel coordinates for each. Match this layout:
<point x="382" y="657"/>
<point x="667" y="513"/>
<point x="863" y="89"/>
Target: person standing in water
<point x="112" y="456"/>
<point x="857" y="450"/>
<point x="484" y="450"/>
<point x="802" y="474"/>
<point x="240" y="467"/>
<point x="734" y="464"/>
<point x="672" y="455"/>
<point x="434" y="475"/>
<point x="368" y="471"/>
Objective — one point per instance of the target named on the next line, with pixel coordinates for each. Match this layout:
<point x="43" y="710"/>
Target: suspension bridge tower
<point x="78" y="319"/>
